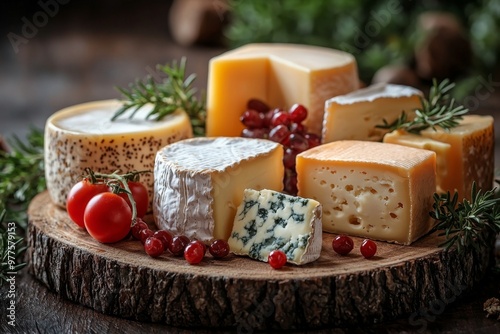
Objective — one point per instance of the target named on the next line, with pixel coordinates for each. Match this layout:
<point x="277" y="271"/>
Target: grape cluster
<point x="158" y="242"/>
<point x="281" y="126"/>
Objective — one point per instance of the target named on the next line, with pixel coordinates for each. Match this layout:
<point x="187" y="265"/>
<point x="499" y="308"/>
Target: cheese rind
<point x="354" y="116"/>
<point x="199" y="182"/>
<point x="279" y="74"/>
<point x="83" y="136"/>
<point x="268" y="220"/>
<point x="370" y="189"/>
<point x="464" y="153"/>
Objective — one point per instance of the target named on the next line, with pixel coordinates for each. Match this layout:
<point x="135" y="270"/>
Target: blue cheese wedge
<point x="267" y="220"/>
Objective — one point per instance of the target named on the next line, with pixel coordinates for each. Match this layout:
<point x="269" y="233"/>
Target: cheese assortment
<point x="370" y="189"/>
<point x="267" y="220"/>
<point x="83" y="136"/>
<point x="199" y="182"/>
<point x="465" y="153"/>
<point x="280" y="75"/>
<point x="354" y="116"/>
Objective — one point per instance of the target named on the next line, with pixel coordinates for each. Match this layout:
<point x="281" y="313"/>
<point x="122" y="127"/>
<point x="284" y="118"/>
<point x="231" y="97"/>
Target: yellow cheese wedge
<point x="370" y="189"/>
<point x="354" y="116"/>
<point x="83" y="136"/>
<point x="280" y="75"/>
<point x="464" y="153"/>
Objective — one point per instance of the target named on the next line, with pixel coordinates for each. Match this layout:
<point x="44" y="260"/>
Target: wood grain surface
<point x="236" y="292"/>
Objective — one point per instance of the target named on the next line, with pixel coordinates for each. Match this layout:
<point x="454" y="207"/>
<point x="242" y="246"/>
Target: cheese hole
<point x="332" y="185"/>
<point x="337" y="208"/>
<point x="363" y="172"/>
<point x="351" y="171"/>
<point x="391" y="190"/>
<point x="373" y="191"/>
<point x="349" y="187"/>
<point x="385" y="227"/>
<point x="367" y="118"/>
<point x="333" y="171"/>
<point x="353" y="220"/>
<point x="400" y="205"/>
<point x="327" y="213"/>
<point x="393" y="215"/>
<point x="322" y="182"/>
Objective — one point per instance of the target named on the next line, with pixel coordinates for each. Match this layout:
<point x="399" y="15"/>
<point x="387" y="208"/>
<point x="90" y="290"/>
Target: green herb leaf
<point x="174" y="92"/>
<point x="439" y="110"/>
<point x="464" y="224"/>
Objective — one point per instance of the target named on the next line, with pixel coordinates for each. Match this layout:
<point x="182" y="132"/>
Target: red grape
<point x="290" y="183"/>
<point x="144" y="234"/>
<point x="280" y="118"/>
<point x="297" y="128"/>
<point x="164" y="236"/>
<point x="138" y="227"/>
<point x="298" y="142"/>
<point x="252" y="119"/>
<point x="312" y="139"/>
<point x="255" y="133"/>
<point x="289" y="158"/>
<point x="257" y="105"/>
<point x="178" y="245"/>
<point x="298" y="113"/>
<point x="279" y="134"/>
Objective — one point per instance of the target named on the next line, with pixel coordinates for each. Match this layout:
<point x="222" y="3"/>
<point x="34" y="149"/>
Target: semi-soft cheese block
<point x="199" y="182"/>
<point x="83" y="136"/>
<point x="354" y="116"/>
<point x="370" y="189"/>
<point x="464" y="153"/>
<point x="267" y="220"/>
<point x="280" y="75"/>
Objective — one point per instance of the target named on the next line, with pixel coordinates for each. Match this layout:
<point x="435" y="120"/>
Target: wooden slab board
<point x="122" y="280"/>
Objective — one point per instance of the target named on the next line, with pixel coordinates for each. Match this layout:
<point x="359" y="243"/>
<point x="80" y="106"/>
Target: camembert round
<point x="84" y="136"/>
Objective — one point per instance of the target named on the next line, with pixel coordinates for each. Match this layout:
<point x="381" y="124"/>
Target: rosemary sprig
<point x="174" y="92"/>
<point x="437" y="110"/>
<point x="23" y="176"/>
<point x="468" y="223"/>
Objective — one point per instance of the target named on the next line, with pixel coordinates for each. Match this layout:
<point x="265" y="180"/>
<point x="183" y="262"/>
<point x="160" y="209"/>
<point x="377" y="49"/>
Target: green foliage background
<point x="340" y="23"/>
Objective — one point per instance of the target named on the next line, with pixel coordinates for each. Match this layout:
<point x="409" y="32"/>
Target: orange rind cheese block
<point x="464" y="153"/>
<point x="280" y="75"/>
<point x="370" y="189"/>
<point x="354" y="116"/>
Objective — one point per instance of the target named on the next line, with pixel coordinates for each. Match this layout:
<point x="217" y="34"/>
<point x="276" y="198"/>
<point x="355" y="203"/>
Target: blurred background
<point x="56" y="53"/>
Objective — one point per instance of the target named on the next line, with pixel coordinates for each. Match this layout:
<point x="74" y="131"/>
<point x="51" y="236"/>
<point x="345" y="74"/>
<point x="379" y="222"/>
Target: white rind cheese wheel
<point x="370" y="189"/>
<point x="280" y="75"/>
<point x="83" y="136"/>
<point x="267" y="220"/>
<point x="199" y="182"/>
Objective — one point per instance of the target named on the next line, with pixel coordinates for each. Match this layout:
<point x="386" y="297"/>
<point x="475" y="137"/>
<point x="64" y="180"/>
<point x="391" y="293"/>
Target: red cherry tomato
<point x="140" y="195"/>
<point x="108" y="217"/>
<point x="79" y="196"/>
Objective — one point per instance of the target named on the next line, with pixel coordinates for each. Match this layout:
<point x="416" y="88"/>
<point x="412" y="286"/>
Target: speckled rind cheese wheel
<point x="84" y="136"/>
<point x="200" y="182"/>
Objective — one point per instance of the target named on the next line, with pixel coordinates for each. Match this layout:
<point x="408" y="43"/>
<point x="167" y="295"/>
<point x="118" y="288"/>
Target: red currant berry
<point x="164" y="236"/>
<point x="255" y="133"/>
<point x="153" y="247"/>
<point x="312" y="139"/>
<point x="368" y="248"/>
<point x="219" y="248"/>
<point x="342" y="244"/>
<point x="280" y="118"/>
<point x="194" y="252"/>
<point x="257" y="105"/>
<point x="298" y="113"/>
<point x="138" y="227"/>
<point x="144" y="234"/>
<point x="279" y="134"/>
<point x="178" y="245"/>
<point x="277" y="259"/>
<point x="252" y="119"/>
<point x="298" y="142"/>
